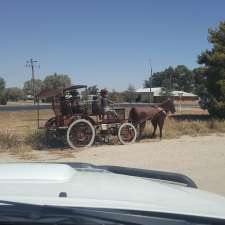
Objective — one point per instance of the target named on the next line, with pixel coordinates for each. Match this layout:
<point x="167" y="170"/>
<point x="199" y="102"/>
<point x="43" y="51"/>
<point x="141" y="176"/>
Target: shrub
<point x="37" y="139"/>
<point x="41" y="139"/>
<point x="9" y="139"/>
<point x="174" y="128"/>
<point x="3" y="100"/>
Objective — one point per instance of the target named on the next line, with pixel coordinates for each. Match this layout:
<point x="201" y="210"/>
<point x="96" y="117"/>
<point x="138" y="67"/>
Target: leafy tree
<point x="129" y="94"/>
<point x="93" y="90"/>
<point x="214" y="72"/>
<point x="14" y="93"/>
<point x="182" y="79"/>
<point x="3" y="100"/>
<point x="178" y="78"/>
<point x="116" y="96"/>
<point x="131" y="88"/>
<point x="2" y="86"/>
<point x="160" y="79"/>
<point x="200" y="84"/>
<point x="56" y="81"/>
<point x="28" y="86"/>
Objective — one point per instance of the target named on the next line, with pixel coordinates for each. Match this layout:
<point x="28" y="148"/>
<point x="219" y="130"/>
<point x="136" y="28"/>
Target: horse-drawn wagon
<point x="81" y="119"/>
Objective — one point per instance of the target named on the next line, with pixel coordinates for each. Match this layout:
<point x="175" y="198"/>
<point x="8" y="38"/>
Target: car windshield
<point x="112" y="108"/>
<point x="14" y="212"/>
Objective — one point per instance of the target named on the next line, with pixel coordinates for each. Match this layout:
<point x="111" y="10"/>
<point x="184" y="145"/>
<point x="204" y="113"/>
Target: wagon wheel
<point x="54" y="137"/>
<point x="51" y="123"/>
<point x="127" y="133"/>
<point x="50" y="126"/>
<point x="80" y="133"/>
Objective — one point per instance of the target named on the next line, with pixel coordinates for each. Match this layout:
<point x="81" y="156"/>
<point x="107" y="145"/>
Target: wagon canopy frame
<point x="48" y="93"/>
<point x="51" y="93"/>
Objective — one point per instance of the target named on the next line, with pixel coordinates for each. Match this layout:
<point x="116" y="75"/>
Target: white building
<point x="156" y="95"/>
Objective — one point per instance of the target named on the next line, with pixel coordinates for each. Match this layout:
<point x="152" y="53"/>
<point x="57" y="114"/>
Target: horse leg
<point x="161" y="123"/>
<point x="154" y="124"/>
<point x="141" y="129"/>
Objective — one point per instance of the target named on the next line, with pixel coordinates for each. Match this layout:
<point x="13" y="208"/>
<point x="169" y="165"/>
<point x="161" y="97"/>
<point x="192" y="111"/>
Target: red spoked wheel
<point x="80" y="134"/>
<point x="127" y="133"/>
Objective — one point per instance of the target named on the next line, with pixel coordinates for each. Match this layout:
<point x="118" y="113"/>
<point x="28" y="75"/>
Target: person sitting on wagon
<point x="103" y="103"/>
<point x="95" y="106"/>
<point x="77" y="108"/>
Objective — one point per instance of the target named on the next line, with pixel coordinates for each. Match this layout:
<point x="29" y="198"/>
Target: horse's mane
<point x="164" y="103"/>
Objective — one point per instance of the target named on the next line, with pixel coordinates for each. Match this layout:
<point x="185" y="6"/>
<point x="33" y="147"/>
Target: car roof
<point x="43" y="183"/>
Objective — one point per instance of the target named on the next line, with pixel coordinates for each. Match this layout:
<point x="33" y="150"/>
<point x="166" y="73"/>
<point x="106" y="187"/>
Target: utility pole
<point x="150" y="81"/>
<point x="31" y="64"/>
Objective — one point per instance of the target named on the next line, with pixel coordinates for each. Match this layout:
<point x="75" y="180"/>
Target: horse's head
<point x="169" y="106"/>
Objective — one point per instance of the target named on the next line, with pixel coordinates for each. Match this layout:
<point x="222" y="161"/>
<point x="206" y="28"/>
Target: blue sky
<point x="107" y="43"/>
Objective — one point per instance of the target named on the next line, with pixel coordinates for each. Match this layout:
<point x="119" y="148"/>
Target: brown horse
<point x="157" y="115"/>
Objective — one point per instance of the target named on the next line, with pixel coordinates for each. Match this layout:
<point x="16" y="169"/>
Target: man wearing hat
<point x="103" y="102"/>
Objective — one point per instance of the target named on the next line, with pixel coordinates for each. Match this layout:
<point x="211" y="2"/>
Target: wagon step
<point x="63" y="128"/>
<point x="58" y="128"/>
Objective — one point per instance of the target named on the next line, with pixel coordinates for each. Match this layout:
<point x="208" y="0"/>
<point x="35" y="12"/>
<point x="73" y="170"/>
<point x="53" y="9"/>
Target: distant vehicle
<point x="79" y="193"/>
<point x="29" y="97"/>
<point x="79" y="117"/>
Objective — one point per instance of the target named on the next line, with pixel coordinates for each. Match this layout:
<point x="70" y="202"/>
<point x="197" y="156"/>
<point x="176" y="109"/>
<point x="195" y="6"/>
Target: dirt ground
<point x="202" y="158"/>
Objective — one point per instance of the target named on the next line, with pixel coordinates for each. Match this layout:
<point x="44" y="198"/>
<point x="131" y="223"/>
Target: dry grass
<point x="194" y="111"/>
<point x="176" y="128"/>
<point x="23" y="122"/>
<point x="9" y="139"/>
<point x="37" y="139"/>
<point x="18" y="130"/>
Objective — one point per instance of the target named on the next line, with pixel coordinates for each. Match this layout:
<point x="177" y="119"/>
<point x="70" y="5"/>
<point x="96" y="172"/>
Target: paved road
<point x="14" y="108"/>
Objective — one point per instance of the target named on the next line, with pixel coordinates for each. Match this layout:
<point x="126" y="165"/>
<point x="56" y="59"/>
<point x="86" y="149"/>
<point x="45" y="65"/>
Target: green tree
<point x="93" y="90"/>
<point x="56" y="81"/>
<point x="3" y="100"/>
<point x="28" y="87"/>
<point x="160" y="79"/>
<point x="116" y="96"/>
<point x="214" y="72"/>
<point x="183" y="79"/>
<point x="129" y="95"/>
<point x="2" y="86"/>
<point x="178" y="78"/>
<point x="14" y="93"/>
<point x="200" y="81"/>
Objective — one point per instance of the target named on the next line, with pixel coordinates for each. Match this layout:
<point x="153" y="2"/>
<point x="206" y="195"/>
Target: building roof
<point x="157" y="91"/>
<point x="183" y="93"/>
